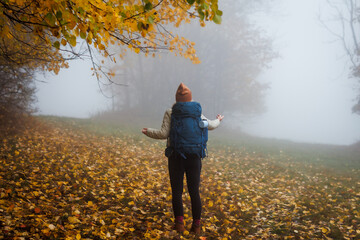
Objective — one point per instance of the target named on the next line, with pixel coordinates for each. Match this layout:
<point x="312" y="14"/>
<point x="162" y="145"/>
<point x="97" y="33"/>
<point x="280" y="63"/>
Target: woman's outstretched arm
<point x="163" y="132"/>
<point x="214" y="123"/>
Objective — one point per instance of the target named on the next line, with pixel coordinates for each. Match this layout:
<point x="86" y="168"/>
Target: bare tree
<point x="16" y="95"/>
<point x="347" y="14"/>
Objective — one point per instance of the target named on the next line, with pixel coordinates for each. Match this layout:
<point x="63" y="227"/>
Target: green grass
<point x="332" y="156"/>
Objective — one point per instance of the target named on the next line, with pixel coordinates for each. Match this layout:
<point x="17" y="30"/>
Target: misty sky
<point x="310" y="98"/>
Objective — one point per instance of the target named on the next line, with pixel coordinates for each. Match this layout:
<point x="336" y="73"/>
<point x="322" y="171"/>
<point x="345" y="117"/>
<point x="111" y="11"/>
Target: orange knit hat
<point x="183" y="93"/>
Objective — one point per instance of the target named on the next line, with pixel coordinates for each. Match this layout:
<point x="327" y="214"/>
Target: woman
<point x="180" y="163"/>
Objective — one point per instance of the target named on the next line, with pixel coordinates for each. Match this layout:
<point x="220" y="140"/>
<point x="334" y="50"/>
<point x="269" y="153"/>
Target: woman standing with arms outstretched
<point x="186" y="147"/>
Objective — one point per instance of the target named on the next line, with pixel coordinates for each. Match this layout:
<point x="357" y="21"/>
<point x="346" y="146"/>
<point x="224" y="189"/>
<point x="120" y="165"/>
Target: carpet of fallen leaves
<point x="57" y="182"/>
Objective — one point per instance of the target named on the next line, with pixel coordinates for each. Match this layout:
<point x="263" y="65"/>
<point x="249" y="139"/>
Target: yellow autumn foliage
<point x="52" y="28"/>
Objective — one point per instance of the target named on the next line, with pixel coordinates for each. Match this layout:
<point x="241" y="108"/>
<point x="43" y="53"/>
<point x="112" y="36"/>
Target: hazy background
<point x="310" y="95"/>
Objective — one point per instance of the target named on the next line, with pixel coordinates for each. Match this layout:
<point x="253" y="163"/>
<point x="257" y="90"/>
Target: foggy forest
<point x="180" y="119"/>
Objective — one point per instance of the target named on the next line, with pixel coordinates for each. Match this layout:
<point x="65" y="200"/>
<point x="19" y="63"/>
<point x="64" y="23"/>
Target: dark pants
<point x="191" y="166"/>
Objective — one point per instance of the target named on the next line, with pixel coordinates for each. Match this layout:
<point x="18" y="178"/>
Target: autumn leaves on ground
<point x="61" y="180"/>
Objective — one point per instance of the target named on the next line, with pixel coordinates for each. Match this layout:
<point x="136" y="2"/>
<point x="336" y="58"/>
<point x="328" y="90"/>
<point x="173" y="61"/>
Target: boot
<point x="179" y="226"/>
<point x="196" y="227"/>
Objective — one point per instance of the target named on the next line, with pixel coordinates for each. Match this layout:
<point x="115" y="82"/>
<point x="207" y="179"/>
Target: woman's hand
<point x="220" y="117"/>
<point x="144" y="131"/>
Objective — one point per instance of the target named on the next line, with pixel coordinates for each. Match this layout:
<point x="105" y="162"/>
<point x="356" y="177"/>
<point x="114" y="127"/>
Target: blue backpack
<point x="186" y="136"/>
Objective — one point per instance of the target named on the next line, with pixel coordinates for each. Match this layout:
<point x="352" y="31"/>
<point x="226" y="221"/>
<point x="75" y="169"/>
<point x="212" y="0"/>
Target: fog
<point x="310" y="95"/>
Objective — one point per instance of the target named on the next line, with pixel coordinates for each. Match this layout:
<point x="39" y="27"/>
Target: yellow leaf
<point x="63" y="42"/>
<point x="224" y="194"/>
<point x="210" y="203"/>
<point x="101" y="46"/>
<point x="78" y="236"/>
<point x="71" y="24"/>
<point x="72" y="40"/>
<point x="72" y="219"/>
<point x="71" y="226"/>
<point x="45" y="231"/>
